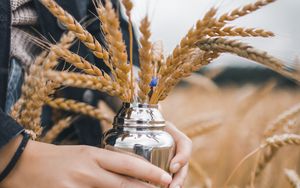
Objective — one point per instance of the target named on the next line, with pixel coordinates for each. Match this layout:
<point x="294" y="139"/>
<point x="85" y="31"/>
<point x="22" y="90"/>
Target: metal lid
<point x="139" y="115"/>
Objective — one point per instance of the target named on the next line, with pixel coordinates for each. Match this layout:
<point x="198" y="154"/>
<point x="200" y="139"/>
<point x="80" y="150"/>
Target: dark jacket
<point x="87" y="130"/>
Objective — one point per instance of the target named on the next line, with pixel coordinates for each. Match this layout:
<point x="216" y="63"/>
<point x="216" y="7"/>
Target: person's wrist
<point x="7" y="152"/>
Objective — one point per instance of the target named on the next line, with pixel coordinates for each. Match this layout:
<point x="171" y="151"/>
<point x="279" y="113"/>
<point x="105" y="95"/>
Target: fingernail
<point x="175" y="167"/>
<point x="166" y="179"/>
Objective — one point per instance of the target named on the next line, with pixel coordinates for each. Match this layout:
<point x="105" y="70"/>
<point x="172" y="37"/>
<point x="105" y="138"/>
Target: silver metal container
<point x="139" y="129"/>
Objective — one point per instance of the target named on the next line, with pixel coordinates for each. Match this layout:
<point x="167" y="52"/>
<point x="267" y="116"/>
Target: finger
<point x="183" y="148"/>
<point x="133" y="166"/>
<point x="112" y="180"/>
<point x="179" y="178"/>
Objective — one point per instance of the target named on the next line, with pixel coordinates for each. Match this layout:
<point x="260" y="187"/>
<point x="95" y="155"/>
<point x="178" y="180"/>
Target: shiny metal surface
<point x="139" y="115"/>
<point x="139" y="129"/>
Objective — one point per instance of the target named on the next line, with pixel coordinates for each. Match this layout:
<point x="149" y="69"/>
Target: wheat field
<point x="231" y="122"/>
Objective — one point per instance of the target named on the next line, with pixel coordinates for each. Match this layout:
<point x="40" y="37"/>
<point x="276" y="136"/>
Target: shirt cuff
<point x="9" y="129"/>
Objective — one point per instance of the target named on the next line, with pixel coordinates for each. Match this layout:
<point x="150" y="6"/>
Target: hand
<point x="179" y="164"/>
<point x="49" y="166"/>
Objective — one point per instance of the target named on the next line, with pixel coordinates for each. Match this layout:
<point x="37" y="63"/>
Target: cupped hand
<point x="179" y="164"/>
<point x="48" y="166"/>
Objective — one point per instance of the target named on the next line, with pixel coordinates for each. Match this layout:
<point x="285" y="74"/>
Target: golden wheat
<point x="77" y="107"/>
<point x="199" y="59"/>
<point x="81" y="33"/>
<point x="282" y="120"/>
<point x="86" y="81"/>
<point x="224" y="45"/>
<point x="128" y="7"/>
<point x="274" y="143"/>
<point x="247" y="9"/>
<point x="65" y="42"/>
<point x="241" y="32"/>
<point x="292" y="177"/>
<point x="195" y="130"/>
<point x="61" y="125"/>
<point x="117" y="48"/>
<point x="146" y="69"/>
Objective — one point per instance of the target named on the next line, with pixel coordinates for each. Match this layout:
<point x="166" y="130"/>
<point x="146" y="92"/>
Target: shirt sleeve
<point x="9" y="128"/>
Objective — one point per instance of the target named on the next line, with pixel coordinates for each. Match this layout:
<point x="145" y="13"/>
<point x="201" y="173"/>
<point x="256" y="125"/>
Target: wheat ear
<point x="61" y="125"/>
<point x="292" y="177"/>
<point x="86" y="81"/>
<point x="247" y="9"/>
<point x="27" y="110"/>
<point x="183" y="50"/>
<point x="274" y="143"/>
<point x="81" y="33"/>
<point x="26" y="88"/>
<point x="65" y="42"/>
<point x="194" y="130"/>
<point x="146" y="72"/>
<point x="223" y="45"/>
<point x="77" y="107"/>
<point x="241" y="32"/>
<point x="117" y="48"/>
<point x="128" y="7"/>
<point x="282" y="120"/>
<point x="77" y="61"/>
<point x="33" y="92"/>
<point x="199" y="59"/>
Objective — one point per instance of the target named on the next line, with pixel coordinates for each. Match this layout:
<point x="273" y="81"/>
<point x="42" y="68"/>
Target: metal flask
<point x="140" y="129"/>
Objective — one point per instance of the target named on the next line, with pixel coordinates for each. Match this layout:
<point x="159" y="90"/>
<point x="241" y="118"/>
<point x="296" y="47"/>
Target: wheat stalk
<point x="56" y="129"/>
<point x="81" y="33"/>
<point x="117" y="48"/>
<point x="199" y="59"/>
<point x="77" y="107"/>
<point x="274" y="143"/>
<point x="182" y="51"/>
<point x="224" y="45"/>
<point x="86" y="81"/>
<point x="292" y="177"/>
<point x="65" y="42"/>
<point x="195" y="130"/>
<point x="247" y="9"/>
<point x="282" y="120"/>
<point x="77" y="61"/>
<point x="157" y="57"/>
<point x="128" y="7"/>
<point x="27" y="110"/>
<point x="202" y="28"/>
<point x="241" y="32"/>
<point x="208" y="26"/>
<point x="145" y="52"/>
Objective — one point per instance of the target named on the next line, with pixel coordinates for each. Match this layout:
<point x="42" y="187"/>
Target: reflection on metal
<point x="139" y="129"/>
